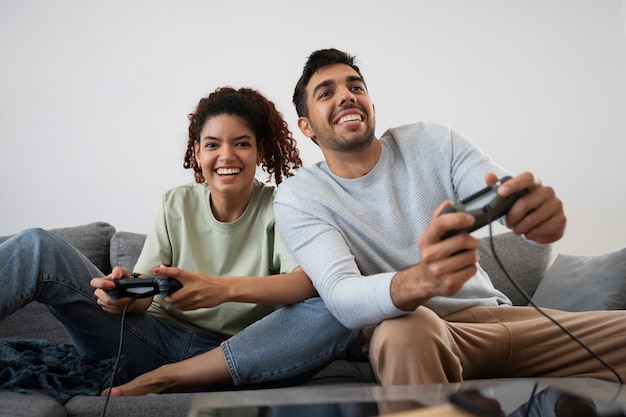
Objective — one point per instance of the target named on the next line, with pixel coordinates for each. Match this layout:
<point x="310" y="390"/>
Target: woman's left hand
<point x="198" y="291"/>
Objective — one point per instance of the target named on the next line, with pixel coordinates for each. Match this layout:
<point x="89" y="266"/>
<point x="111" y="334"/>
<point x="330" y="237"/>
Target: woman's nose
<point x="227" y="152"/>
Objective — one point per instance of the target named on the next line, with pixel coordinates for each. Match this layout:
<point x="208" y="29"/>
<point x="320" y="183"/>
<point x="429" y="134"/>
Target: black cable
<point x="529" y="404"/>
<point x="539" y="309"/>
<point x="117" y="358"/>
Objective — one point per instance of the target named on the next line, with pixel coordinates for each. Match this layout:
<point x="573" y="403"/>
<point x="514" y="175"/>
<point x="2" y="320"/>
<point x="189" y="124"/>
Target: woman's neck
<point x="229" y="208"/>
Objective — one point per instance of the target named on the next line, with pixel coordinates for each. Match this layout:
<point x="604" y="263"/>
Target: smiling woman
<point x="222" y="228"/>
<point x="228" y="137"/>
<point x="227" y="154"/>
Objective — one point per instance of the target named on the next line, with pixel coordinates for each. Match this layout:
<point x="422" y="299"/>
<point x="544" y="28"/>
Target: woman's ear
<point x="259" y="152"/>
<point x="196" y="152"/>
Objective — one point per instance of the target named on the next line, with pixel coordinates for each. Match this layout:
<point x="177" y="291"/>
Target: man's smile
<point x="348" y="116"/>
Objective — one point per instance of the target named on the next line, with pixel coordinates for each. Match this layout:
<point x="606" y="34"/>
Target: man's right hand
<point x="445" y="265"/>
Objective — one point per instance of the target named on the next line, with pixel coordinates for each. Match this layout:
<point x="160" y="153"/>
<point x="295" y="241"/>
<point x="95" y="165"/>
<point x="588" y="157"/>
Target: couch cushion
<point x="584" y="283"/>
<point x="36" y="404"/>
<point x="125" y="249"/>
<point x="170" y="405"/>
<point x="525" y="261"/>
<point x="93" y="240"/>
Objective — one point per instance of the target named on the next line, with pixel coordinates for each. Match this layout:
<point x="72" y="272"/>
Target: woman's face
<point x="228" y="155"/>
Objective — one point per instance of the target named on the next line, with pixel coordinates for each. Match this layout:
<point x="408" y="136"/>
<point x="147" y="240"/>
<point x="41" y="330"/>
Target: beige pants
<point x="489" y="342"/>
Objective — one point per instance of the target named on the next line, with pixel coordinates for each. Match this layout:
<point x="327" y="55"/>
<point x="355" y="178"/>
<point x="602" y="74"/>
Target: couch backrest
<point x="525" y="261"/>
<point x="93" y="240"/>
<point x="126" y="248"/>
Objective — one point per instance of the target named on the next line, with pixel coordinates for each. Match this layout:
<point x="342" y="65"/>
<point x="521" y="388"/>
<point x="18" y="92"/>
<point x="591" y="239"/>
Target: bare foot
<point x="115" y="392"/>
<point x="149" y="383"/>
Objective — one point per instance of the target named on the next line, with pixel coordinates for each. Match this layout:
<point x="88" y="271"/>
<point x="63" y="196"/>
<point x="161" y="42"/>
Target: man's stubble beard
<point x="355" y="143"/>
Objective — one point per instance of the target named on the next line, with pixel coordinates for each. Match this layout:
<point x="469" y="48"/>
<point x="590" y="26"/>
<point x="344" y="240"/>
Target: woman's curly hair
<point x="279" y="154"/>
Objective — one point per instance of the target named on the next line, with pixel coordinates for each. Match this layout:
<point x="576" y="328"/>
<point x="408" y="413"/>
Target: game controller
<point x="144" y="287"/>
<point x="485" y="205"/>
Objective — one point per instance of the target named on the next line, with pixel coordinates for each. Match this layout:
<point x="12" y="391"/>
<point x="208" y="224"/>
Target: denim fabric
<point x="36" y="265"/>
<point x="296" y="338"/>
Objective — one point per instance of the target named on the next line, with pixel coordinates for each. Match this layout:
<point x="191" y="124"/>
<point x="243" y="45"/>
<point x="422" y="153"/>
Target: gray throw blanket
<point x="59" y="369"/>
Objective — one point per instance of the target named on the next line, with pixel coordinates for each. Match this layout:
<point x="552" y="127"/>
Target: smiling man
<point x="364" y="224"/>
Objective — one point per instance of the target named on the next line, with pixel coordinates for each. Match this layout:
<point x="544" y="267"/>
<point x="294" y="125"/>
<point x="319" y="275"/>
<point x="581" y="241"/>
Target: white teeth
<point x="228" y="171"/>
<point x="350" y="118"/>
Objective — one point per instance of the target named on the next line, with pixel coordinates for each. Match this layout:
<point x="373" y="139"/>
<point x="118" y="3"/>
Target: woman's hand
<point x="102" y="287"/>
<point x="198" y="291"/>
<point x="203" y="291"/>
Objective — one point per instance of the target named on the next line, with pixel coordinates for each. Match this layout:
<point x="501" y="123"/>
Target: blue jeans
<point x="36" y="265"/>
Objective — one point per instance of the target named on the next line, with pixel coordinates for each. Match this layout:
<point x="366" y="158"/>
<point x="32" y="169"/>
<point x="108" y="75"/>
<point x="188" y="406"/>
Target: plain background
<point x="94" y="95"/>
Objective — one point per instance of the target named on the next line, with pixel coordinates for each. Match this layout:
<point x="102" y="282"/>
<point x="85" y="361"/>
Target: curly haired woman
<point x="246" y="314"/>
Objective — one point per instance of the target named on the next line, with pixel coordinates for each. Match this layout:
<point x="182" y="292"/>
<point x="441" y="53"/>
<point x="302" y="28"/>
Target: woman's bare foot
<point x="153" y="382"/>
<point x="115" y="392"/>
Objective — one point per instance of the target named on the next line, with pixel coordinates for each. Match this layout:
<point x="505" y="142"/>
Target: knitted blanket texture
<point x="27" y="364"/>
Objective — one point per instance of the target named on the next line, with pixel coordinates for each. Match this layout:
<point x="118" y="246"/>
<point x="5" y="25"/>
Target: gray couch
<point x="105" y="246"/>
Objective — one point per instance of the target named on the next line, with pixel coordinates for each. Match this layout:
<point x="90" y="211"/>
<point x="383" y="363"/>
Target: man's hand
<point x="445" y="266"/>
<point x="539" y="214"/>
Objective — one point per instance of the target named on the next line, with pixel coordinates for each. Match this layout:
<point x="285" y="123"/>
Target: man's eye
<point x="324" y="94"/>
<point x="358" y="88"/>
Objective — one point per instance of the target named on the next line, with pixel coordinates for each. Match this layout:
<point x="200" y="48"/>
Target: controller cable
<point x="543" y="313"/>
<point x="117" y="358"/>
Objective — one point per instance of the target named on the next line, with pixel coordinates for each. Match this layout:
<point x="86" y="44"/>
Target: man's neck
<point x="353" y="164"/>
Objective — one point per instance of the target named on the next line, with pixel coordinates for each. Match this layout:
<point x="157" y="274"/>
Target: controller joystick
<point x="485" y="205"/>
<point x="144" y="287"/>
<point x="168" y="285"/>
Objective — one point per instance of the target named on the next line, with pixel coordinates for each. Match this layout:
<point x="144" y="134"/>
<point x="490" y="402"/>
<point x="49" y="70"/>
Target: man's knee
<point x="415" y="348"/>
<point x="410" y="330"/>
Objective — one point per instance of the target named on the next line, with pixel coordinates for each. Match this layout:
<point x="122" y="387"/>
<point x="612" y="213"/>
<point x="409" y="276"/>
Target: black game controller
<point x="485" y="205"/>
<point x="144" y="287"/>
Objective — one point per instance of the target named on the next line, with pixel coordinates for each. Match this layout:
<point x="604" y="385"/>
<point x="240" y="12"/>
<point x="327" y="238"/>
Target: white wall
<point x="94" y="94"/>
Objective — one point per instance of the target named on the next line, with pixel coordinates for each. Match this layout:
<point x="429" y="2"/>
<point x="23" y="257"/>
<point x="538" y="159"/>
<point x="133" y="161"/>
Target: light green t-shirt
<point x="186" y="235"/>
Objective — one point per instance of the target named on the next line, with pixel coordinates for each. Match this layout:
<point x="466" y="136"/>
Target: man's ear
<point x="305" y="127"/>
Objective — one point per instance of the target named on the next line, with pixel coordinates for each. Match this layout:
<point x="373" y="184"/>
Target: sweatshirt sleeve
<point x="320" y="248"/>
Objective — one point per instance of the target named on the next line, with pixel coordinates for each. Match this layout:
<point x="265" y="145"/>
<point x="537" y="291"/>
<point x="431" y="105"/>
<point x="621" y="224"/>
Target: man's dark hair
<point x="317" y="60"/>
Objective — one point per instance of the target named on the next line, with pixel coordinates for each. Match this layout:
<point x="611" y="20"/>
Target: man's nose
<point x="346" y="95"/>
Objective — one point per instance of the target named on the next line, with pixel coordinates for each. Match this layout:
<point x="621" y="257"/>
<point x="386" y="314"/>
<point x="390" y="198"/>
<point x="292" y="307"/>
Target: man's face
<point x="341" y="114"/>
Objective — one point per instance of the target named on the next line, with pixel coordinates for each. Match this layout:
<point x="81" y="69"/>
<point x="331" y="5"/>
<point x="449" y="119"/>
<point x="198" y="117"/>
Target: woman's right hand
<point x="102" y="287"/>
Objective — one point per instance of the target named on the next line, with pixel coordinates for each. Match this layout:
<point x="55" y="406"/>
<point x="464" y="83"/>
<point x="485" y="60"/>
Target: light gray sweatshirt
<point x="352" y="235"/>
